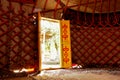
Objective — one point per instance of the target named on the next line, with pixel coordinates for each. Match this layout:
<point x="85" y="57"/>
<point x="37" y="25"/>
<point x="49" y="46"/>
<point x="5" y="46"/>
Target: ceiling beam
<point x="72" y="6"/>
<point x="61" y="3"/>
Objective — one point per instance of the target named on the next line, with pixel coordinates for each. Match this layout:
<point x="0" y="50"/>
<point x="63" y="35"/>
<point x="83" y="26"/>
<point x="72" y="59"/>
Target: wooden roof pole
<point x="58" y="2"/>
<point x="45" y="11"/>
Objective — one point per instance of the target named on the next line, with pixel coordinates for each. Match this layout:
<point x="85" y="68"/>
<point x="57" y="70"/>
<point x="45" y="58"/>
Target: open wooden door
<point x="53" y="43"/>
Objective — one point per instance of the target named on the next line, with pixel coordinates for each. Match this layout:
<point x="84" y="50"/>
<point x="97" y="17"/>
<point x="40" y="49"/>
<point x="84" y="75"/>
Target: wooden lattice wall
<point x="95" y="38"/>
<point x="18" y="36"/>
<point x="96" y="46"/>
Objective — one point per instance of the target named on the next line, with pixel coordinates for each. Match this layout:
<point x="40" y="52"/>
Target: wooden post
<point x="39" y="46"/>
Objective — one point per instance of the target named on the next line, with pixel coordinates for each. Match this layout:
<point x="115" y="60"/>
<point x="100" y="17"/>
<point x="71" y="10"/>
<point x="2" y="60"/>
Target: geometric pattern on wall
<point x="18" y="39"/>
<point x="3" y="38"/>
<point x="95" y="38"/>
<point x="96" y="47"/>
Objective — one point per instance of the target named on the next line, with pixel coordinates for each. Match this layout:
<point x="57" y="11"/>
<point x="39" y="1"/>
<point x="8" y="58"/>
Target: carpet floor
<point x="79" y="74"/>
<point x="74" y="74"/>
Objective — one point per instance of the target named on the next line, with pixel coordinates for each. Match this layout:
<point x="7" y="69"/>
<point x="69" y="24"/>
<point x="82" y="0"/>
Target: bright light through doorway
<point x="50" y="43"/>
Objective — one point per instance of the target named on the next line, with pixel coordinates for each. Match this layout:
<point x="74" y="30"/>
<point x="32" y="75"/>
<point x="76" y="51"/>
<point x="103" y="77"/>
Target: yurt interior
<point x="59" y="39"/>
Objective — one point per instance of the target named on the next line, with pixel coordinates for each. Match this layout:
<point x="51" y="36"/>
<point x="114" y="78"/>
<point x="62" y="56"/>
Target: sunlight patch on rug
<point x="78" y="74"/>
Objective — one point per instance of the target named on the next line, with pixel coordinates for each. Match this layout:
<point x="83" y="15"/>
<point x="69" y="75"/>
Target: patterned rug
<point x="79" y="74"/>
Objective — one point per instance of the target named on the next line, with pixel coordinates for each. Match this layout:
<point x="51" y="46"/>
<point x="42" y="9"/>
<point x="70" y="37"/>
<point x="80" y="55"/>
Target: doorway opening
<point x="50" y="43"/>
